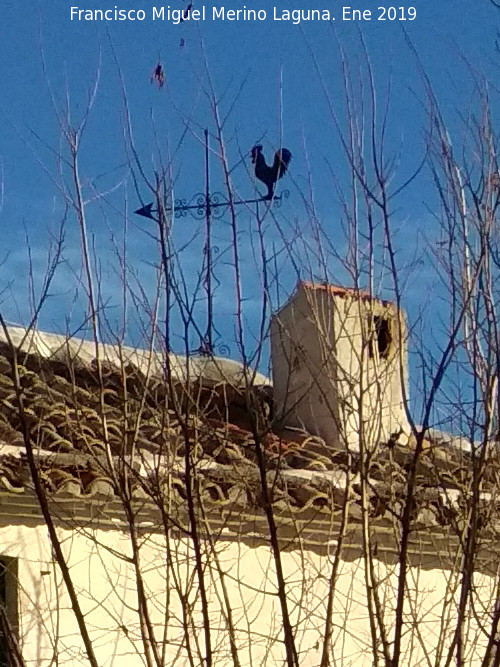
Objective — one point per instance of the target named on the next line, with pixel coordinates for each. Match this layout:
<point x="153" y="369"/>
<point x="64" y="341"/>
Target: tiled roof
<point x="62" y="398"/>
<point x="337" y="290"/>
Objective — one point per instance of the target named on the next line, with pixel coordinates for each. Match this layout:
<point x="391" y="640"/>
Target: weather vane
<point x="212" y="205"/>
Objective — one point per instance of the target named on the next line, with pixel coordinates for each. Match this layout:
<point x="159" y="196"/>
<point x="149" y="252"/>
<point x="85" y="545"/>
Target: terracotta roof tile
<point x="337" y="290"/>
<point x="147" y="440"/>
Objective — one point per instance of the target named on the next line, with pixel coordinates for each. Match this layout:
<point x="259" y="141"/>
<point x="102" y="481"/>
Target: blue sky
<point x="266" y="73"/>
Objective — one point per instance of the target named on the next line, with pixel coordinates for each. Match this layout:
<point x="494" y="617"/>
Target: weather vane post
<point x="208" y="252"/>
<point x="212" y="205"/>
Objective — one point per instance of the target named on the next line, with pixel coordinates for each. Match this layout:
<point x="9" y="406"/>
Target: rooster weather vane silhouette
<point x="270" y="175"/>
<point x="208" y="205"/>
<point x="215" y="203"/>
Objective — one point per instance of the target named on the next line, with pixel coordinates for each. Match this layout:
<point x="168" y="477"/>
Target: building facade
<point x="189" y="528"/>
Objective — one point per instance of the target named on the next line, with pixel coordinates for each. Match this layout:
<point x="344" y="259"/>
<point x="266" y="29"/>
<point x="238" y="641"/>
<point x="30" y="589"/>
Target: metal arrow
<point x="148" y="210"/>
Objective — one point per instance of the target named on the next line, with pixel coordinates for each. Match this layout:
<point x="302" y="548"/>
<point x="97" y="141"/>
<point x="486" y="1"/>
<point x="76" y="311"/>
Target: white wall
<point x="303" y="366"/>
<point x="107" y="593"/>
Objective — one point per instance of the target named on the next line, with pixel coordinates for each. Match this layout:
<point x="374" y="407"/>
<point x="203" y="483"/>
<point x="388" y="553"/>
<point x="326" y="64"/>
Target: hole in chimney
<point x="381" y="337"/>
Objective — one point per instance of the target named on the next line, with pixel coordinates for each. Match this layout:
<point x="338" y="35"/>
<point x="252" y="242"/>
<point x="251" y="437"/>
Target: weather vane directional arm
<point x="216" y="202"/>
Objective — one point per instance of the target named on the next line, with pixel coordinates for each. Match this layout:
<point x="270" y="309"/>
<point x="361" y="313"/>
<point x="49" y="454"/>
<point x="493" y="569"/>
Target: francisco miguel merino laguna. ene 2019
<point x="176" y="16"/>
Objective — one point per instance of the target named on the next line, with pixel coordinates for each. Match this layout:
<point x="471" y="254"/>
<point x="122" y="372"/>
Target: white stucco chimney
<point x="339" y="365"/>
